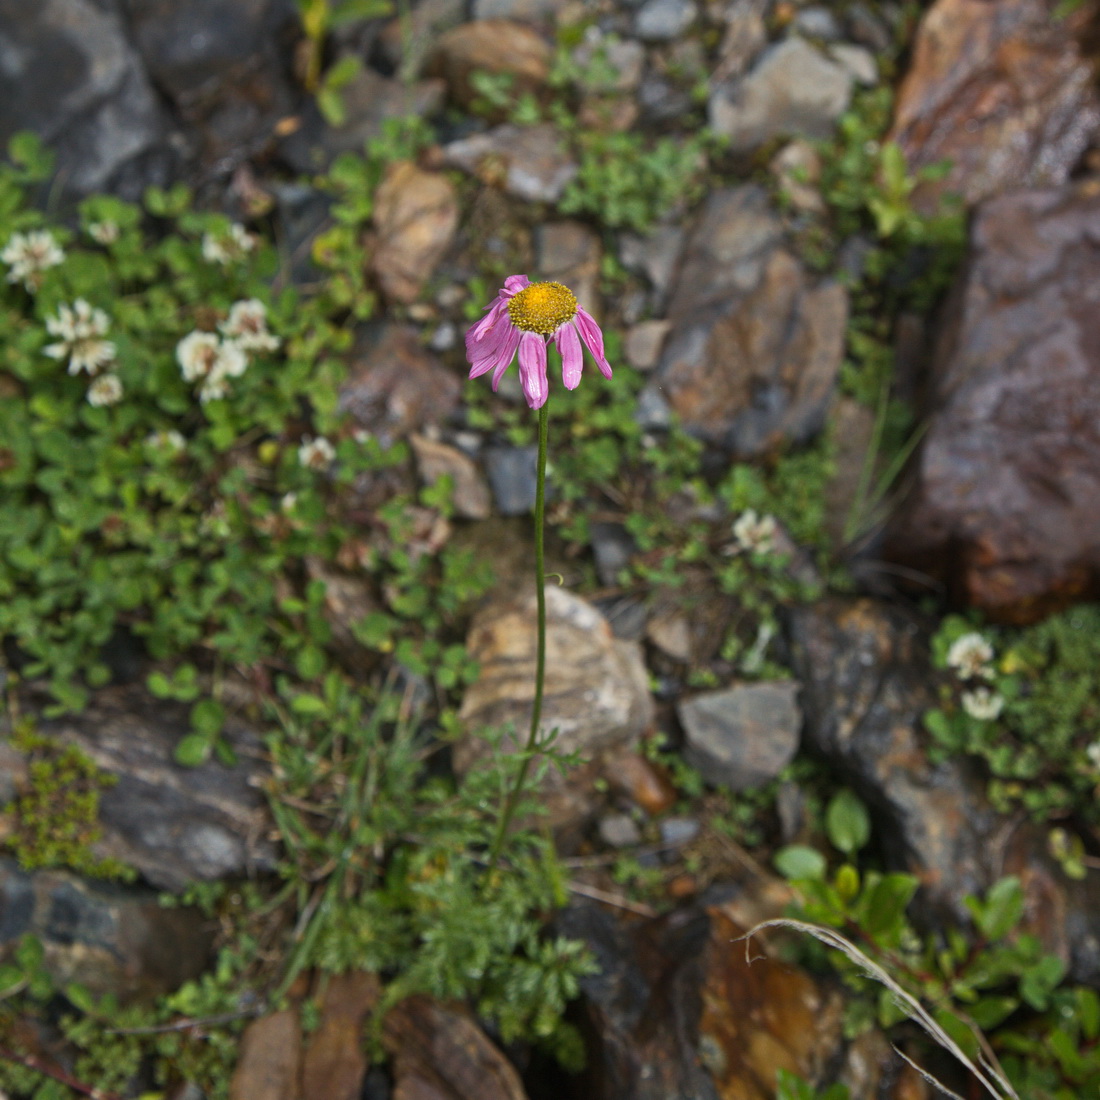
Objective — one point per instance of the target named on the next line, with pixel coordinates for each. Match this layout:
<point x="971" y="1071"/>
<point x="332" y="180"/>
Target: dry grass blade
<point x="995" y="1083"/>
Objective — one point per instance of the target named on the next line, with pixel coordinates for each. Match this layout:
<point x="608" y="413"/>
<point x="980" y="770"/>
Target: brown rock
<point x="643" y="782"/>
<point x="1007" y="482"/>
<point x="760" y="1017"/>
<point x="270" y="1059"/>
<point x="1002" y="91"/>
<point x="643" y="343"/>
<point x="439" y="1053"/>
<point x="335" y="1064"/>
<point x="756" y="370"/>
<point x="415" y="216"/>
<point x="596" y="693"/>
<point x="492" y="46"/>
<point x="395" y="385"/>
<point x="348" y="600"/>
<point x="436" y="460"/>
<point x="570" y="253"/>
<point x="529" y="162"/>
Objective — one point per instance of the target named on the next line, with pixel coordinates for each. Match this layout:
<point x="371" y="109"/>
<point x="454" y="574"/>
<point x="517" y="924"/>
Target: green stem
<point x="540" y="653"/>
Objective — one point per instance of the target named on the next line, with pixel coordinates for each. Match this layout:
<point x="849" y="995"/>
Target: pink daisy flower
<point x="525" y="317"/>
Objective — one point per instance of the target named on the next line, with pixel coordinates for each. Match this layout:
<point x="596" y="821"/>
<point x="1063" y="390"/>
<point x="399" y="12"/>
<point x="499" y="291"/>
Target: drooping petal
<point x="482" y="328"/>
<point x="593" y="338"/>
<point x="532" y="369"/>
<point x="514" y="284"/>
<point x="507" y="352"/>
<point x="495" y="353"/>
<point x="572" y="358"/>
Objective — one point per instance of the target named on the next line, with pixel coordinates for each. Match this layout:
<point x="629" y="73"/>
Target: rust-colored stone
<point x="335" y="1062"/>
<point x="270" y="1059"/>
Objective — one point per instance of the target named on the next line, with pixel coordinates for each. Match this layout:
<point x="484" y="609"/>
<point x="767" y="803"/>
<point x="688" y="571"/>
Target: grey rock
<point x="619" y="831"/>
<point x="663" y="20"/>
<point x="436" y="460"/>
<point x="743" y="736"/>
<point x="530" y="158"/>
<point x="662" y="99"/>
<point x="511" y="473"/>
<point x="867" y="27"/>
<point x="653" y="412"/>
<point x="793" y="89"/>
<point x="625" y="56"/>
<point x="107" y="938"/>
<point x="69" y="73"/>
<point x="745" y="36"/>
<point x="655" y="256"/>
<point x="612" y="546"/>
<point x="643" y="343"/>
<point x="867" y="683"/>
<point x="679" y="830"/>
<point x="570" y="253"/>
<point x="174" y="824"/>
<point x="817" y="23"/>
<point x="519" y="10"/>
<point x="859" y="62"/>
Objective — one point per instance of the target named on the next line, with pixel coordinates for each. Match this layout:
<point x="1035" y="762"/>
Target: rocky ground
<point x="739" y="296"/>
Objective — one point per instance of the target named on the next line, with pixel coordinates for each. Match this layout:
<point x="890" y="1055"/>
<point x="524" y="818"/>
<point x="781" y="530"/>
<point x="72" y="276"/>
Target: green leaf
<point x="306" y="704"/>
<point x="207" y="718"/>
<point x="193" y="750"/>
<point x="1002" y="910"/>
<point x="800" y="861"/>
<point x="847" y="822"/>
<point x="1088" y="1012"/>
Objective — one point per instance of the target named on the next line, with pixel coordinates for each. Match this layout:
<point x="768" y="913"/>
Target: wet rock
<point x="435" y="460"/>
<point x="1007" y="482"/>
<point x="334" y="1063"/>
<point x="570" y="253"/>
<point x="866" y="685"/>
<point x="270" y="1059"/>
<point x="108" y="938"/>
<point x="223" y="66"/>
<point x="793" y="89"/>
<point x="69" y="73"/>
<point x="643" y="343"/>
<point x="529" y="162"/>
<point x="439" y="1053"/>
<point x="511" y="472"/>
<point x="756" y="371"/>
<point x="664" y="20"/>
<point x="596" y="693"/>
<point x="491" y="46"/>
<point x="395" y="385"/>
<point x="174" y="824"/>
<point x="1001" y="91"/>
<point x="743" y="736"/>
<point x="415" y="218"/>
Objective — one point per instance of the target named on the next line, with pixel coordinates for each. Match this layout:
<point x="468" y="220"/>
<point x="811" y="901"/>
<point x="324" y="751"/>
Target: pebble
<point x="663" y="20"/>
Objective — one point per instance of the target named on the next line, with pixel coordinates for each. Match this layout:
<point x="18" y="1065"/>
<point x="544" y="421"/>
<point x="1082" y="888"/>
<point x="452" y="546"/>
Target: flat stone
<point x="270" y="1059"/>
<point x="743" y="736"/>
<point x="108" y="938"/>
<point x="491" y="46"/>
<point x="792" y="90"/>
<point x="596" y="692"/>
<point x="1004" y="92"/>
<point x="415" y="218"/>
<point x="529" y="162"/>
<point x="436" y="460"/>
<point x="395" y="385"/>
<point x="175" y="824"/>
<point x="1006" y="490"/>
<point x="757" y="370"/>
<point x="68" y="72"/>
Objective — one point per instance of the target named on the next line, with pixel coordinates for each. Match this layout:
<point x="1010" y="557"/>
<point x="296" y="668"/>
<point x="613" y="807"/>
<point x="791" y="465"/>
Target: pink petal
<point x="482" y="328"/>
<point x="514" y="284"/>
<point x="532" y="369"/>
<point x="572" y="358"/>
<point x="593" y="338"/>
<point x="495" y="353"/>
<point x="506" y="355"/>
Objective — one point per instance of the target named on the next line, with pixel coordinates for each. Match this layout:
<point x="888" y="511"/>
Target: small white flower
<point x="247" y="324"/>
<point x="170" y="440"/>
<point x="1093" y="753"/>
<point x="29" y="254"/>
<point x="229" y="247"/>
<point x="970" y="655"/>
<point x="755" y="533"/>
<point x="983" y="704"/>
<point x="205" y="356"/>
<point x="288" y="502"/>
<point x="105" y="390"/>
<point x="361" y="436"/>
<point x="316" y="454"/>
<point x="80" y="329"/>
<point x="105" y="232"/>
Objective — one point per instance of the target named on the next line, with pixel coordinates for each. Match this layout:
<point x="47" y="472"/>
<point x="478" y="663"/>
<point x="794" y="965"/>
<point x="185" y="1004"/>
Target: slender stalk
<point x="540" y="653"/>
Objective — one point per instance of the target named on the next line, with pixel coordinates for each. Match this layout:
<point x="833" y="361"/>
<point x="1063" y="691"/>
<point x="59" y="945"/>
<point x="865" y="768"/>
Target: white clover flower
<point x="229" y="247"/>
<point x="205" y="356"/>
<point x="214" y="387"/>
<point x="247" y="324"/>
<point x="983" y="704"/>
<point x="105" y="390"/>
<point x="289" y="502"/>
<point x="105" y="232"/>
<point x="29" y="254"/>
<point x="970" y="655"/>
<point x="316" y="454"/>
<point x="170" y="440"/>
<point x="1093" y="753"/>
<point x="196" y="354"/>
<point x="755" y="533"/>
<point x="80" y="329"/>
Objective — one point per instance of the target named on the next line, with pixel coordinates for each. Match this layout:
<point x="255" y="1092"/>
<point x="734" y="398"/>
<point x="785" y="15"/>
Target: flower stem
<point x="529" y="748"/>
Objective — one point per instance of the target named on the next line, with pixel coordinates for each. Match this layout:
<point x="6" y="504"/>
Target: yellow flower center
<point x="542" y="308"/>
